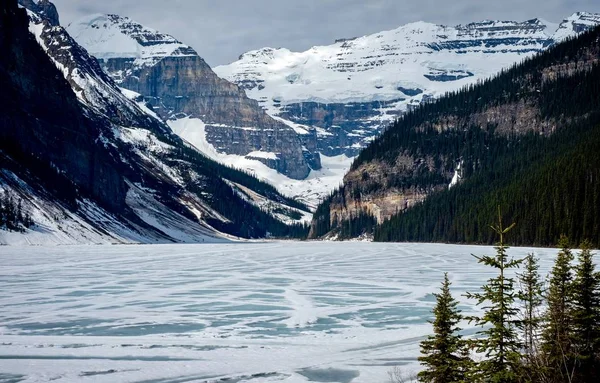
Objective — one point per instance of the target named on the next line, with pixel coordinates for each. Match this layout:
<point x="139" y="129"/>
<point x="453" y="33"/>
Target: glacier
<point x="270" y="311"/>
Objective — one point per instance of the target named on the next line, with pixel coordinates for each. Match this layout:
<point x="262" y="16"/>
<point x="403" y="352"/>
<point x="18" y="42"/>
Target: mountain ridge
<point x="177" y="83"/>
<point x="104" y="169"/>
<point x="350" y="90"/>
<point x="438" y="172"/>
<point x="334" y="100"/>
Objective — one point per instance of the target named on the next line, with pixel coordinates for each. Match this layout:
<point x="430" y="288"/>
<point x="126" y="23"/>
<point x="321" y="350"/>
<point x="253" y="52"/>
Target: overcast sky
<point x="221" y="30"/>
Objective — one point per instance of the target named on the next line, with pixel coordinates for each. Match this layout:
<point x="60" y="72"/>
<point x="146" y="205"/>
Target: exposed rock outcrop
<point x="176" y="82"/>
<point x="351" y="90"/>
<point x="43" y="8"/>
<point x="95" y="166"/>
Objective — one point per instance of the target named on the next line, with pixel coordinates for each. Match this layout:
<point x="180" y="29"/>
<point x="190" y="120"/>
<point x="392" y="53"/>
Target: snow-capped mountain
<point x="177" y="84"/>
<point x="327" y="103"/>
<point x="350" y="90"/>
<point x="574" y="24"/>
<point x="91" y="84"/>
<point x="91" y="164"/>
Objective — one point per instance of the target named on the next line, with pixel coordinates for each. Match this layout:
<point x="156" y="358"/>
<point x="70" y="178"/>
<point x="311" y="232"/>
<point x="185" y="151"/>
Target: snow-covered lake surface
<point x="251" y="312"/>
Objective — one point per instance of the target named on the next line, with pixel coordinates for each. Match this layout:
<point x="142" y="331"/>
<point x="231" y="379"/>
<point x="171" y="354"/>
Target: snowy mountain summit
<point x="121" y="37"/>
<point x="322" y="105"/>
<point x="179" y="86"/>
<point x="350" y="90"/>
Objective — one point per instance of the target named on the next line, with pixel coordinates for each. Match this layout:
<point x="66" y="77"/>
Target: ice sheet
<point x="260" y="312"/>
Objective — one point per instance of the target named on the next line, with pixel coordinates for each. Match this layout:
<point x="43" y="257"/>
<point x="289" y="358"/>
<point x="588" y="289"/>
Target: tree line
<point x="549" y="183"/>
<point x="532" y="330"/>
<point x="13" y="216"/>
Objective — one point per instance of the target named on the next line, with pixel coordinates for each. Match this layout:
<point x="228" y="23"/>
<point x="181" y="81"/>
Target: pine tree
<point x="19" y="212"/>
<point x="445" y="354"/>
<point x="586" y="306"/>
<point x="499" y="341"/>
<point x="2" y="210"/>
<point x="531" y="296"/>
<point x="557" y="335"/>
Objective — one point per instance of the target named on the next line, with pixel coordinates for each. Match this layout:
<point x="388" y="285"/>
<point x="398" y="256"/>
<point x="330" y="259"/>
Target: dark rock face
<point x="410" y="91"/>
<point x="43" y="8"/>
<point x="41" y="117"/>
<point x="290" y="158"/>
<point x="180" y="84"/>
<point x="496" y="35"/>
<point x="444" y="76"/>
<point x="345" y="128"/>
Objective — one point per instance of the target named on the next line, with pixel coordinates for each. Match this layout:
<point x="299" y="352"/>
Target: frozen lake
<point x="283" y="311"/>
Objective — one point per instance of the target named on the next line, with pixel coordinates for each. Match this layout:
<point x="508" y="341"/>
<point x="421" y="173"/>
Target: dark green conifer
<point x="531" y="296"/>
<point x="557" y="334"/>
<point x="499" y="340"/>
<point x="586" y="306"/>
<point x="445" y="354"/>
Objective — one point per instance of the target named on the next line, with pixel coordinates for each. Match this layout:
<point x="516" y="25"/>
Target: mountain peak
<point x="108" y="35"/>
<point x="576" y="23"/>
<point x="43" y="8"/>
<point x="266" y="53"/>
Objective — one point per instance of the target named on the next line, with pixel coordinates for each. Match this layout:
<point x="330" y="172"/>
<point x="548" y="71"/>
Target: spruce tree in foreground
<point x="586" y="317"/>
<point x="445" y="354"/>
<point x="557" y="335"/>
<point x="531" y="296"/>
<point x="499" y="341"/>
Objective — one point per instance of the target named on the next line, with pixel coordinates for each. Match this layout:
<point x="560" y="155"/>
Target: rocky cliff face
<point x="177" y="83"/>
<point x="351" y="90"/>
<point x="92" y="165"/>
<point x="31" y="97"/>
<point x="44" y="8"/>
<point x="91" y="84"/>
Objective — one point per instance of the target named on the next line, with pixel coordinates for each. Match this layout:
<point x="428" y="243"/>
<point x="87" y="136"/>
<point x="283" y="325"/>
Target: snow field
<point x="278" y="311"/>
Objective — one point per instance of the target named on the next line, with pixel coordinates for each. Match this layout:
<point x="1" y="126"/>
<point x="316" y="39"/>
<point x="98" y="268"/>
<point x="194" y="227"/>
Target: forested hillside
<point x="527" y="140"/>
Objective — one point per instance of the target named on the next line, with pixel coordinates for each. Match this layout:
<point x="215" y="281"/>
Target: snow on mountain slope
<point x="57" y="224"/>
<point x="121" y="37"/>
<point x="348" y="92"/>
<point x="353" y="87"/>
<point x="378" y="67"/>
<point x="391" y="65"/>
<point x="574" y="24"/>
<point x="177" y="83"/>
<point x="336" y="98"/>
<point x="311" y="190"/>
<point x="107" y="169"/>
<point x="90" y="83"/>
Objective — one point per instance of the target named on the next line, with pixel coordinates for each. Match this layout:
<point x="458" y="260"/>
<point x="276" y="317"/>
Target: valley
<point x="322" y="214"/>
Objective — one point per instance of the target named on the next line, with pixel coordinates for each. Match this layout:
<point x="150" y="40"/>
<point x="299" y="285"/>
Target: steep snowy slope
<point x="350" y="90"/>
<point x="91" y="166"/>
<point x="336" y="98"/>
<point x="575" y="24"/>
<point x="177" y="83"/>
<point x="91" y="84"/>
